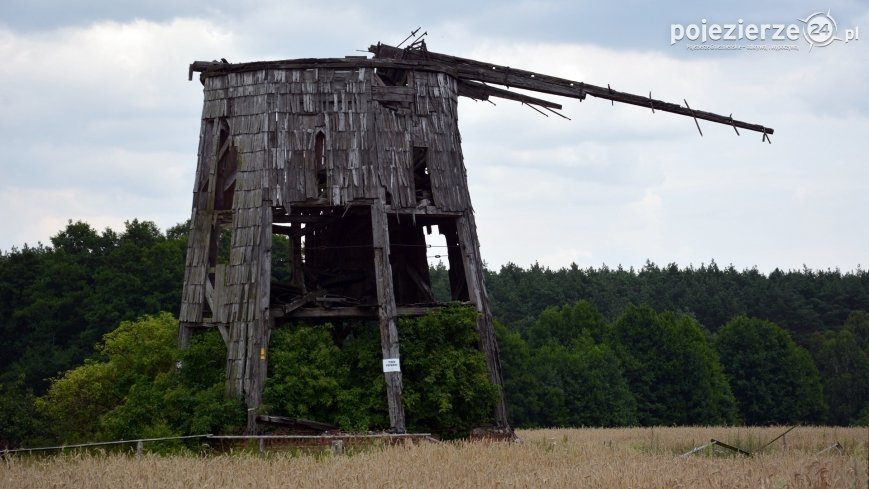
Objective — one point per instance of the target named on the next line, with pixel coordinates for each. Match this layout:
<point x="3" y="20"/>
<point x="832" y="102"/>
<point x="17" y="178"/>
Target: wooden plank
<point x="211" y="69"/>
<point x="479" y="91"/>
<point x="209" y="295"/>
<point x="387" y="313"/>
<point x="303" y="300"/>
<point x="398" y="94"/>
<point x="350" y="312"/>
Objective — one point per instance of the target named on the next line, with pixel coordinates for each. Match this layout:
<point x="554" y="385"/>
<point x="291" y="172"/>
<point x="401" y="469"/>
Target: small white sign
<point x="391" y="365"/>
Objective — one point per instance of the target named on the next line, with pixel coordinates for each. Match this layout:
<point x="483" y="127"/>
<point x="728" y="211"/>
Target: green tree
<point x="56" y="303"/>
<point x="309" y="377"/>
<point x="774" y="380"/>
<point x="581" y="385"/>
<point x="844" y="370"/>
<point x="672" y="371"/>
<point x="334" y="374"/>
<point x="19" y="422"/>
<point x="446" y="383"/>
<point x="565" y="375"/>
<point x="564" y="325"/>
<point x="858" y="325"/>
<point x="133" y="388"/>
<point x="520" y="378"/>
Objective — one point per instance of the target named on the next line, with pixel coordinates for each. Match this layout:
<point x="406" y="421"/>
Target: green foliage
<point x="801" y="301"/>
<point x="56" y="303"/>
<point x="520" y="379"/>
<point x="446" y="386"/>
<point x="440" y="282"/>
<point x="135" y="389"/>
<point x="582" y="386"/>
<point x="75" y="401"/>
<point x="446" y="383"/>
<point x="567" y="324"/>
<point x="564" y="362"/>
<point x="858" y="325"/>
<point x="310" y="377"/>
<point x="672" y="371"/>
<point x="774" y="380"/>
<point x="565" y="375"/>
<point x="18" y="416"/>
<point x="844" y="368"/>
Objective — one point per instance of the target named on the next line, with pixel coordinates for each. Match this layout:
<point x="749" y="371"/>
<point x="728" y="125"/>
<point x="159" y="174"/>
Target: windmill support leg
<point x="473" y="265"/>
<point x="387" y="314"/>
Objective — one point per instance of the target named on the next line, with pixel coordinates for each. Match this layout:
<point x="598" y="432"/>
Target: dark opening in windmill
<point x="354" y="160"/>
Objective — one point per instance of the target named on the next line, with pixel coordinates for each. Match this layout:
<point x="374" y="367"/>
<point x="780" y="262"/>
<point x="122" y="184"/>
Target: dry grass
<point x="639" y="457"/>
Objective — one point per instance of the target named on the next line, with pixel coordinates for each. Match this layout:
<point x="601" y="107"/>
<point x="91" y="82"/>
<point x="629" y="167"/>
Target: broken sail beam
<point x="480" y="71"/>
<point x="480" y="91"/>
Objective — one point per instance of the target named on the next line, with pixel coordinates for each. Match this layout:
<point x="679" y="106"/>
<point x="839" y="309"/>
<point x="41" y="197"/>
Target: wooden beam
<point x="298" y="231"/>
<point x="301" y="218"/>
<point x="428" y="211"/>
<point x="348" y="312"/>
<point x="479" y="91"/>
<point x="473" y="263"/>
<point x="301" y="301"/>
<point x="420" y="282"/>
<point x="211" y="68"/>
<point x="209" y="295"/>
<point x="481" y="71"/>
<point x="387" y="313"/>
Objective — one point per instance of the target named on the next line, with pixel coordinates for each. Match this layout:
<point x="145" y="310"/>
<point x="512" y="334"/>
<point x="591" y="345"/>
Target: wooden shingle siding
<point x="280" y="111"/>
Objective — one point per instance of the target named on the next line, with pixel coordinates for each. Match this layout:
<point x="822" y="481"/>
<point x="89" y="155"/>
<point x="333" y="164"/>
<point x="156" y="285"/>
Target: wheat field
<point x="630" y="457"/>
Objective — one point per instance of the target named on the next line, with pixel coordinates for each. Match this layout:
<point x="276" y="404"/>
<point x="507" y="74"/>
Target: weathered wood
<point x="480" y="91"/>
<point x="350" y="312"/>
<point x="481" y="71"/>
<point x="470" y="249"/>
<point x="303" y="300"/>
<point x="430" y="211"/>
<point x="404" y="95"/>
<point x="211" y="68"/>
<point x="387" y="314"/>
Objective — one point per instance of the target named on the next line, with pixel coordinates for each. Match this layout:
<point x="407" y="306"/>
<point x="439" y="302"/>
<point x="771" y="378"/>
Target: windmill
<point x="353" y="159"/>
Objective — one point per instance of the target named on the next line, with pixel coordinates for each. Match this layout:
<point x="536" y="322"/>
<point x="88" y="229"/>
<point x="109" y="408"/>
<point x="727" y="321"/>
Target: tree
<point x="334" y="374"/>
<point x="566" y="324"/>
<point x="774" y="380"/>
<point x="134" y="388"/>
<point x="565" y="375"/>
<point x="844" y="370"/>
<point x="446" y="382"/>
<point x="18" y="417"/>
<point x="56" y="303"/>
<point x="581" y="385"/>
<point x="309" y="378"/>
<point x="672" y="371"/>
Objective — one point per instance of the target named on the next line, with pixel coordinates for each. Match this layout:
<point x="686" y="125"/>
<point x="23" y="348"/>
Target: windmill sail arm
<point x="479" y="71"/>
<point x="480" y="91"/>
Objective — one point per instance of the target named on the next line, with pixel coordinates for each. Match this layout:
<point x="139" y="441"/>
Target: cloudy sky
<point x="99" y="123"/>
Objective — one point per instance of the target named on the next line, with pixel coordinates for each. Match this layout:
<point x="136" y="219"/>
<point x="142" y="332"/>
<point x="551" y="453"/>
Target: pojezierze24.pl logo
<point x="818" y="29"/>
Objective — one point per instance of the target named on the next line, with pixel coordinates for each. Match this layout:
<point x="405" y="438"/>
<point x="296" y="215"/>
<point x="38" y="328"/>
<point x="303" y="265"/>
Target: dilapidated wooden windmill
<point x="354" y="159"/>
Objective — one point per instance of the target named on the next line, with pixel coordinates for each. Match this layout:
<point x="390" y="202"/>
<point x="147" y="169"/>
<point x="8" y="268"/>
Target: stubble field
<point x="630" y="457"/>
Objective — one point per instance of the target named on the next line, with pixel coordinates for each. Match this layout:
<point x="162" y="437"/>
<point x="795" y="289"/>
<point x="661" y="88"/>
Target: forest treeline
<point x="595" y="346"/>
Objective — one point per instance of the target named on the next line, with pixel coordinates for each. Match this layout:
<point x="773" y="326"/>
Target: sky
<point x="98" y="121"/>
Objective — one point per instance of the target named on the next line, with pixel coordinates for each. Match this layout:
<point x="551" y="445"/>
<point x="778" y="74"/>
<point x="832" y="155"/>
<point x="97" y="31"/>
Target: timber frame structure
<point x="353" y="159"/>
